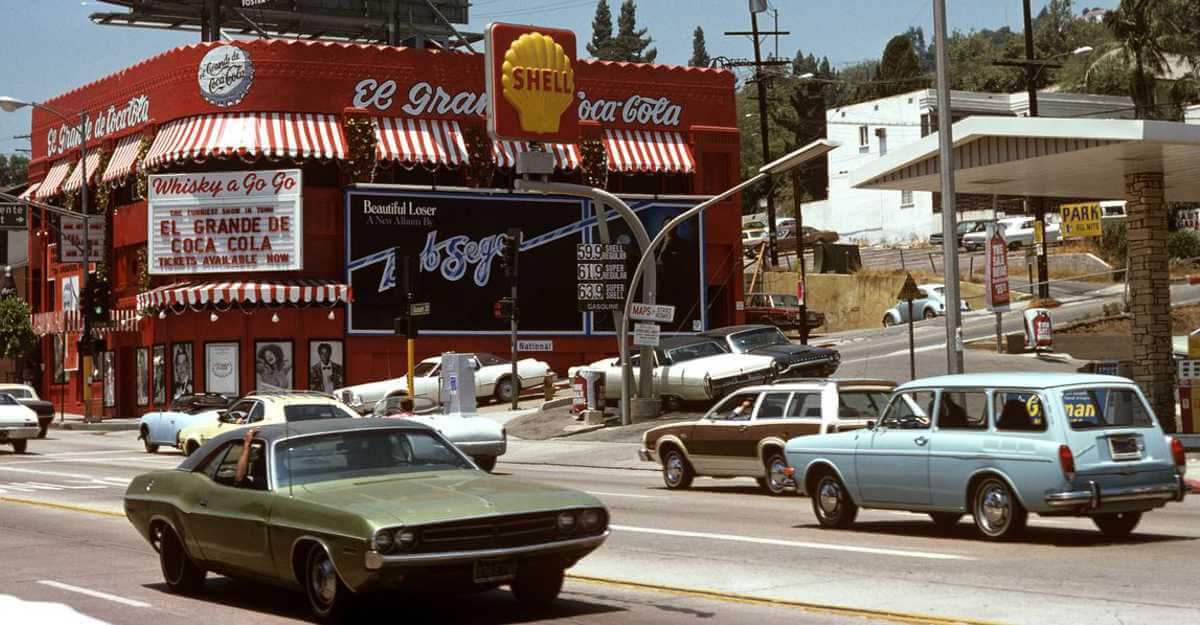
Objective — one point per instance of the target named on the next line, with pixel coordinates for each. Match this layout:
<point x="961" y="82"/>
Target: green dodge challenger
<point x="343" y="507"/>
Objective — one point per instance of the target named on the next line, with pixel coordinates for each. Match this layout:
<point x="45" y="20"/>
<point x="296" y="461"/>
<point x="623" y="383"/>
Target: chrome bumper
<point x="483" y="448"/>
<point x="1095" y="496"/>
<point x="376" y="560"/>
<point x="16" y="433"/>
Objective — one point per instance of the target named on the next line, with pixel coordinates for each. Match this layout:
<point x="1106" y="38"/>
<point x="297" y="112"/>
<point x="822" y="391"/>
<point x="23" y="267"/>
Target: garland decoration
<point x="143" y="269"/>
<point x="103" y="190"/>
<point x="595" y="163"/>
<point x="481" y="158"/>
<point x="143" y="148"/>
<point x="360" y="137"/>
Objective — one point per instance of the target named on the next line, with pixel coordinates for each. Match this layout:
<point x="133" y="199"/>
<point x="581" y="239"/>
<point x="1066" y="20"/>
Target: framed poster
<point x="182" y="363"/>
<point x="221" y="368"/>
<point x="326" y="365"/>
<point x="159" y="374"/>
<point x="142" y="364"/>
<point x="109" y="375"/>
<point x="60" y="348"/>
<point x="273" y="365"/>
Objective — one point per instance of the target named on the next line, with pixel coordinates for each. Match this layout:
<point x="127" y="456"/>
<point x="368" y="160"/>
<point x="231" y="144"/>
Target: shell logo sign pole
<point x="531" y="84"/>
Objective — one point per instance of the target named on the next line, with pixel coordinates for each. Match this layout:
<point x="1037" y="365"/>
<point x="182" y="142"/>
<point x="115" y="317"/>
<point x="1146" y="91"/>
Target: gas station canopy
<point x="1048" y="157"/>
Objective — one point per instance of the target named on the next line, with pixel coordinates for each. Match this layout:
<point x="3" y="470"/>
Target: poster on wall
<point x="109" y="370"/>
<point x="326" y="369"/>
<point x="60" y="348"/>
<point x="221" y="368"/>
<point x="182" y="382"/>
<point x="159" y="377"/>
<point x="70" y="240"/>
<point x="225" y="222"/>
<point x="273" y="365"/>
<point x="143" y="376"/>
<point x="455" y="239"/>
<point x="69" y="293"/>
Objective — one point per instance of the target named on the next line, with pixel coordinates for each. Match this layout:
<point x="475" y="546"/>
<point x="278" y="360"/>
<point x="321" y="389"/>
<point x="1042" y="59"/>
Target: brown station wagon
<point x="743" y="435"/>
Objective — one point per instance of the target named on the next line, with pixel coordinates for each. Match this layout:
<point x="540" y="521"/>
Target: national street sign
<point x="909" y="291"/>
<point x="601" y="273"/>
<point x="14" y="216"/>
<point x="418" y="309"/>
<point x="652" y="312"/>
<point x="1081" y="220"/>
<point x="535" y="346"/>
<point x="645" y="334"/>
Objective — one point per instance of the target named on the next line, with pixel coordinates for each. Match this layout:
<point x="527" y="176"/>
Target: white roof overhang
<point x="1047" y="157"/>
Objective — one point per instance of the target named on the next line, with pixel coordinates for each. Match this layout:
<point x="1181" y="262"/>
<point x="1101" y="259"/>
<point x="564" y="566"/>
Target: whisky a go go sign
<point x="531" y="83"/>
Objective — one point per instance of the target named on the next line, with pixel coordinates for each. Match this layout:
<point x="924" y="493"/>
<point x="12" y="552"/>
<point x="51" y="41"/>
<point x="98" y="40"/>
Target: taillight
<point x="1066" y="460"/>
<point x="1178" y="453"/>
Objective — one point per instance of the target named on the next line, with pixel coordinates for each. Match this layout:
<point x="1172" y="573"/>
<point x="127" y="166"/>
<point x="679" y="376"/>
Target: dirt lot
<point x="1183" y="321"/>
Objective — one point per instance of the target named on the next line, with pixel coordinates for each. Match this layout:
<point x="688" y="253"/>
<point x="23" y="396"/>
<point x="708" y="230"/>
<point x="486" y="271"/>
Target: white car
<point x="1018" y="232"/>
<point x="691" y="368"/>
<point x="931" y="303"/>
<point x="493" y="377"/>
<point x="18" y="423"/>
<point x="480" y="438"/>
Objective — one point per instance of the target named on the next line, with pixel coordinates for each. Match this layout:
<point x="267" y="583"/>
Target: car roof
<point x="793" y="384"/>
<point x="1023" y="379"/>
<point x="11" y="385"/>
<point x="293" y="397"/>
<point x="671" y="342"/>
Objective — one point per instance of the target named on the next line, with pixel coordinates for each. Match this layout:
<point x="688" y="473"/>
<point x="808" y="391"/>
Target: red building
<point x="210" y="286"/>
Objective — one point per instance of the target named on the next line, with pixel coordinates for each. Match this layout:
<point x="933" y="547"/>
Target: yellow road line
<point x="883" y="615"/>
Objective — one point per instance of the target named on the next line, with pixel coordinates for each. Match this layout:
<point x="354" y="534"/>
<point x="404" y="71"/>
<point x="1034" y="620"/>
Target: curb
<point x="96" y="427"/>
<point x="558" y="403"/>
<point x="502" y="460"/>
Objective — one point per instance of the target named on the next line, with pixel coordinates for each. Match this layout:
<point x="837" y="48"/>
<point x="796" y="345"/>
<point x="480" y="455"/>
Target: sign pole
<point x="912" y="345"/>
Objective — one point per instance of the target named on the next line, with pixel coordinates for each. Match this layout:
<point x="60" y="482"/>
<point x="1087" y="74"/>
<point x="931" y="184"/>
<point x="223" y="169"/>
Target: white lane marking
<point x="928" y="555"/>
<point x="78" y="476"/>
<point x="600" y="494"/>
<point x="94" y="593"/>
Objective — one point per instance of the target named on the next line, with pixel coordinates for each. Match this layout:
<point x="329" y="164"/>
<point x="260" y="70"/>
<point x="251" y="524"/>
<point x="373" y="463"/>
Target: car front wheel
<point x="1117" y="525"/>
<point x="328" y="598"/>
<point x="151" y="448"/>
<point x="505" y="390"/>
<point x="677" y="471"/>
<point x="776" y="481"/>
<point x="42" y="429"/>
<point x="19" y="445"/>
<point x="832" y="504"/>
<point x="887" y="321"/>
<point x="998" y="514"/>
<point x="537" y="585"/>
<point x="929" y="313"/>
<point x="487" y="463"/>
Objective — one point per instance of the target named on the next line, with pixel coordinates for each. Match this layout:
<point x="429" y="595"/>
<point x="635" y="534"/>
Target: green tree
<point x="602" y="40"/>
<point x="899" y="68"/>
<point x="14" y="169"/>
<point x="1147" y="34"/>
<point x="700" y="56"/>
<point x="631" y="43"/>
<point x="17" y="339"/>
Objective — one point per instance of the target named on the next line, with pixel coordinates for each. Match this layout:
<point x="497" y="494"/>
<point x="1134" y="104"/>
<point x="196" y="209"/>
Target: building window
<point x="864" y="140"/>
<point x="926" y="124"/>
<point x="906" y="199"/>
<point x="881" y="133"/>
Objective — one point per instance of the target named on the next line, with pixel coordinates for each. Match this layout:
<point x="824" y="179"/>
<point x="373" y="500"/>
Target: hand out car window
<point x="963" y="411"/>
<point x="805" y="405"/>
<point x="736" y="407"/>
<point x="909" y="411"/>
<point x="1019" y="411"/>
<point x="773" y="406"/>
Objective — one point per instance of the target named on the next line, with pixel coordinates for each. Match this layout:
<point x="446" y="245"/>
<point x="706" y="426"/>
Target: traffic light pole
<point x="512" y="344"/>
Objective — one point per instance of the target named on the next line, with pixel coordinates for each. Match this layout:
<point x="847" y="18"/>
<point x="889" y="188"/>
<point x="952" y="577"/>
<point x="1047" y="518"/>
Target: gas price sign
<point x="601" y="273"/>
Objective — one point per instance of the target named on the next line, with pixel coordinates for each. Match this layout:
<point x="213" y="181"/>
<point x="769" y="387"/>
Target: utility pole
<point x="954" y="356"/>
<point x="802" y="290"/>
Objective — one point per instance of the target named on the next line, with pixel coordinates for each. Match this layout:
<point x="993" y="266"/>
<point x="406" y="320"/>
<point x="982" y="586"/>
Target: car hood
<point x="459" y="429"/>
<point x="794" y="353"/>
<point x="724" y="365"/>
<point x="438" y="496"/>
<point x="374" y="391"/>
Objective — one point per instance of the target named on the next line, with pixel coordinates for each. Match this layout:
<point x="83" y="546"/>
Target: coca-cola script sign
<point x="225" y="222"/>
<point x="225" y="75"/>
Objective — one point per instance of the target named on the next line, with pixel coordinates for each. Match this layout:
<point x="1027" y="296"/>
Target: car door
<point x="717" y="438"/>
<point x="893" y="460"/>
<point x="769" y="421"/>
<point x="230" y="521"/>
<point x="956" y="445"/>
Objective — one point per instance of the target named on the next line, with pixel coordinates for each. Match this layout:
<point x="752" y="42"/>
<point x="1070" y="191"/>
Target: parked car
<point x="930" y="304"/>
<point x="1018" y="232"/>
<point x="744" y="435"/>
<point x="791" y="358"/>
<point x="691" y="368"/>
<point x="752" y="240"/>
<point x="780" y="310"/>
<point x="26" y="396"/>
<point x="18" y="423"/>
<point x="480" y="438"/>
<point x="263" y="408"/>
<point x="999" y="446"/>
<point x="162" y="427"/>
<point x="493" y="378"/>
<point x="962" y="229"/>
<point x="342" y="508"/>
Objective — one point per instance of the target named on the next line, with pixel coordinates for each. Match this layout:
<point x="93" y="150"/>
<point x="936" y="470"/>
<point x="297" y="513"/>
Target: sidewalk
<point x="72" y="421"/>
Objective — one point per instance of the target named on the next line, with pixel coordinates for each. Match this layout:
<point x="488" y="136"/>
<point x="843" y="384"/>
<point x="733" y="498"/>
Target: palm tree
<point x="1148" y="33"/>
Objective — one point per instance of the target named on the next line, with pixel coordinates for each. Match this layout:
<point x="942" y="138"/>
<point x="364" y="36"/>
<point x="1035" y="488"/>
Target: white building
<point x="868" y="130"/>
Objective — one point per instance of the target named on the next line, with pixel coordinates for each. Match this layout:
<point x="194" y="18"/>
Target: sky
<point x="50" y="47"/>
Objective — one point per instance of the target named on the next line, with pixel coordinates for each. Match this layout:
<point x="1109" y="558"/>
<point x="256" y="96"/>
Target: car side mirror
<point x="870" y="424"/>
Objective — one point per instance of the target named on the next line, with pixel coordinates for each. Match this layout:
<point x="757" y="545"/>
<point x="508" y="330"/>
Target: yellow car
<point x="258" y="409"/>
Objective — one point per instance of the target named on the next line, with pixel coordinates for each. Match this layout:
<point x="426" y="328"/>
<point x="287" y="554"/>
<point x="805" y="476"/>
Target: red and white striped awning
<point x="409" y="140"/>
<point x="29" y="191"/>
<point x="53" y="181"/>
<point x="295" y="135"/>
<point x="648" y="151"/>
<point x="71" y="321"/>
<point x="73" y="183"/>
<point x="199" y="294"/>
<point x="566" y="155"/>
<point x="124" y="158"/>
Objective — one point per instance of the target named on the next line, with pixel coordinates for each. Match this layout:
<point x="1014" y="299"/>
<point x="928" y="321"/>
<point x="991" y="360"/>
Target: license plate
<point x="495" y="570"/>
<point x="1124" y="448"/>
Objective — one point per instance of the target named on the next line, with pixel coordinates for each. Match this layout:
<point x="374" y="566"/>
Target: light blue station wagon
<point x="998" y="446"/>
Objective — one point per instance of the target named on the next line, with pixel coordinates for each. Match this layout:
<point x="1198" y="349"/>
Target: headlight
<point x="566" y="522"/>
<point x="383" y="541"/>
<point x="406" y="539"/>
<point x="591" y="519"/>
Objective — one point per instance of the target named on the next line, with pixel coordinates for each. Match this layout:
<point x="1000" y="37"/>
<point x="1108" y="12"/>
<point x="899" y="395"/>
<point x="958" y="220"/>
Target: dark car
<point x="26" y="396"/>
<point x="780" y="310"/>
<point x="792" y="359"/>
<point x="963" y="228"/>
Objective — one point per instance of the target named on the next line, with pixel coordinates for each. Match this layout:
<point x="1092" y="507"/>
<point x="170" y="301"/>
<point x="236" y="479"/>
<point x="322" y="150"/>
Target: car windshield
<point x="786" y="301"/>
<point x="311" y="412"/>
<point x="424" y="369"/>
<point x="965" y="227"/>
<point x="861" y="404"/>
<point x="694" y="351"/>
<point x="754" y="339"/>
<point x="18" y="393"/>
<point x="7" y="400"/>
<point x="1095" y="408"/>
<point x="375" y="453"/>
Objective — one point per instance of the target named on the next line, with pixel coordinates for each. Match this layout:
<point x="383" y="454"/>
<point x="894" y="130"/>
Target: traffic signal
<point x="510" y="250"/>
<point x="505" y="309"/>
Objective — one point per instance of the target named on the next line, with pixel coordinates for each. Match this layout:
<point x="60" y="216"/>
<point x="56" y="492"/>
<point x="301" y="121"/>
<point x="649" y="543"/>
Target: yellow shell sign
<point x="538" y="80"/>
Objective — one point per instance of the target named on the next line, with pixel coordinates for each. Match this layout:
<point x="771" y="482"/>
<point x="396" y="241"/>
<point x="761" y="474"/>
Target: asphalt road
<point x="720" y="553"/>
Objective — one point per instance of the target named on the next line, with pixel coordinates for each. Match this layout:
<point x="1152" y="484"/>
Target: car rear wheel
<point x="887" y="321"/>
<point x="505" y="390"/>
<point x="190" y="448"/>
<point x="929" y="313"/>
<point x="776" y="482"/>
<point x="42" y="428"/>
<point x="677" y="471"/>
<point x="537" y="585"/>
<point x="179" y="572"/>
<point x="487" y="463"/>
<point x="832" y="504"/>
<point x="328" y="598"/>
<point x="151" y="448"/>
<point x="945" y="520"/>
<point x="998" y="514"/>
<point x="19" y="445"/>
<point x="1117" y="525"/>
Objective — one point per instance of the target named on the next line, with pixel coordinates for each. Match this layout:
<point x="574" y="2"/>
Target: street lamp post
<point x="954" y="355"/>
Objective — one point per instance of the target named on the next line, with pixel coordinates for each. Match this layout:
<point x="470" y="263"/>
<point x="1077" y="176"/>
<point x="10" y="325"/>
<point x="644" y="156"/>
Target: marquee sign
<point x="225" y="222"/>
<point x="531" y="83"/>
